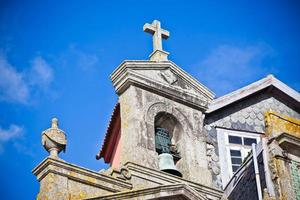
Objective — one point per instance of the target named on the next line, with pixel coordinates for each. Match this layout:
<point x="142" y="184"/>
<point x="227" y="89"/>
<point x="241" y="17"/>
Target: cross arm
<point x="149" y="28"/>
<point x="165" y="34"/>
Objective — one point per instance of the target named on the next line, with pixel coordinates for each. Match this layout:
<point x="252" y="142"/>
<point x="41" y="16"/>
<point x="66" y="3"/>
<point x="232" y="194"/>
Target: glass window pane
<point x="234" y="139"/>
<point x="236" y="160"/>
<point x="235" y="168"/>
<point x="249" y="141"/>
<point x="235" y="153"/>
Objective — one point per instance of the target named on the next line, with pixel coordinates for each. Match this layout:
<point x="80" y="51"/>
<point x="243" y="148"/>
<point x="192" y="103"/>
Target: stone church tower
<point x="152" y="94"/>
<point x="155" y="142"/>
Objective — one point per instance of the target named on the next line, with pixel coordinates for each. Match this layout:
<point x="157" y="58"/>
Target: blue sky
<point x="56" y="58"/>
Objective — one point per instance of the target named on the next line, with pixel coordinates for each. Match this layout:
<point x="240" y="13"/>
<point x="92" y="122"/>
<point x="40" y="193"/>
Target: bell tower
<point x="158" y="120"/>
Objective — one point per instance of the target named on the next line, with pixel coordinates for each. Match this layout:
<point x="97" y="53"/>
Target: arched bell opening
<point x="167" y="134"/>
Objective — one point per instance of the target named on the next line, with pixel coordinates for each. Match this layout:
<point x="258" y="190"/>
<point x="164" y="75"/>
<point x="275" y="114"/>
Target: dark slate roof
<point x="251" y="89"/>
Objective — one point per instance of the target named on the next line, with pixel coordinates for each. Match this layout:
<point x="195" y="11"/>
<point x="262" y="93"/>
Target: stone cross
<point x="158" y="34"/>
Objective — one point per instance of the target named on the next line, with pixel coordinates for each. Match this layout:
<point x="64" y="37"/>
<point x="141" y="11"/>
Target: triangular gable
<point x="251" y="89"/>
<point x="164" y="78"/>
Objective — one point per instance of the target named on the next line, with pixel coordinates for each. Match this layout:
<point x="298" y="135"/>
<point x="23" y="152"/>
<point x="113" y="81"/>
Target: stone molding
<point x="277" y="124"/>
<point x="162" y="178"/>
<point x="213" y="159"/>
<point x="279" y="170"/>
<point x="79" y="174"/>
<point x="173" y="191"/>
<point x="113" y="187"/>
<point x="146" y="64"/>
<point x="153" y="108"/>
<point x="121" y="173"/>
<point x="126" y="74"/>
<point x="159" y="55"/>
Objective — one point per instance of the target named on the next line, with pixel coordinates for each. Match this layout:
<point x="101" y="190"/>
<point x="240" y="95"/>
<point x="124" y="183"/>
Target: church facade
<point x="168" y="137"/>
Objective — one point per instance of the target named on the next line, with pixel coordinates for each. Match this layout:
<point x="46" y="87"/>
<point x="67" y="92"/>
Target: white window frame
<point x="224" y="150"/>
<point x="245" y="149"/>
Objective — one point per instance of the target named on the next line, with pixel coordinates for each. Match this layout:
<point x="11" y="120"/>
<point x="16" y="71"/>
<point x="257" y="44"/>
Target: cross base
<point x="159" y="55"/>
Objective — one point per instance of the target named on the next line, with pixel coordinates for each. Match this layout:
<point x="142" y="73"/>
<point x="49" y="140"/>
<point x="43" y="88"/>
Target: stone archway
<point x="168" y="110"/>
<point x="170" y="123"/>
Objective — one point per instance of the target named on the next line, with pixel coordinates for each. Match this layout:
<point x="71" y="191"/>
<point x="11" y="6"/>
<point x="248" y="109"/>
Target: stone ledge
<point x="174" y="191"/>
<point x="153" y="65"/>
<point x="289" y="143"/>
<point x="129" y="77"/>
<point x="163" y="178"/>
<point x="277" y="124"/>
<point x="80" y="174"/>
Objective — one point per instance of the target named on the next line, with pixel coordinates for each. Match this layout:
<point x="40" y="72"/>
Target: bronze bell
<point x="166" y="164"/>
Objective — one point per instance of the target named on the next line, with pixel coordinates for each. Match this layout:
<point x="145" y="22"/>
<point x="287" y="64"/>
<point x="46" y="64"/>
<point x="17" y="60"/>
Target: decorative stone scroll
<point x="213" y="164"/>
<point x="120" y="173"/>
<point x="168" y="76"/>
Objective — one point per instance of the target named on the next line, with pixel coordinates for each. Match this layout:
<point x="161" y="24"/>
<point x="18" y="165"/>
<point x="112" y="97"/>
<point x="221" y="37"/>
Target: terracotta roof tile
<point x="109" y="132"/>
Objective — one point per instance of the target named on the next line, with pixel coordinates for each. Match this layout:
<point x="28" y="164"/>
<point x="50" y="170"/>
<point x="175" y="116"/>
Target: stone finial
<point x="54" y="139"/>
<point x="54" y="123"/>
<point x="158" y="34"/>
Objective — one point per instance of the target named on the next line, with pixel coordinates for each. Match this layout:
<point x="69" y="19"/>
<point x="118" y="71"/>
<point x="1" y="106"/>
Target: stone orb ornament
<point x="54" y="139"/>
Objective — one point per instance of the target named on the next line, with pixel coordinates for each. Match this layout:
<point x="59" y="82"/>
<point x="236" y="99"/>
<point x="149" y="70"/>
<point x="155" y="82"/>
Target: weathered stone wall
<point x="138" y="110"/>
<point x="142" y="177"/>
<point x="284" y="154"/>
<point x="53" y="187"/>
<point x="60" y="180"/>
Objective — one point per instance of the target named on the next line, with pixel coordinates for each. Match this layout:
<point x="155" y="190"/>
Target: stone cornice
<point x="126" y="75"/>
<point x="80" y="174"/>
<point x="289" y="143"/>
<point x="146" y="64"/>
<point x="176" y="191"/>
<point x="160" y="177"/>
<point x="277" y="124"/>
